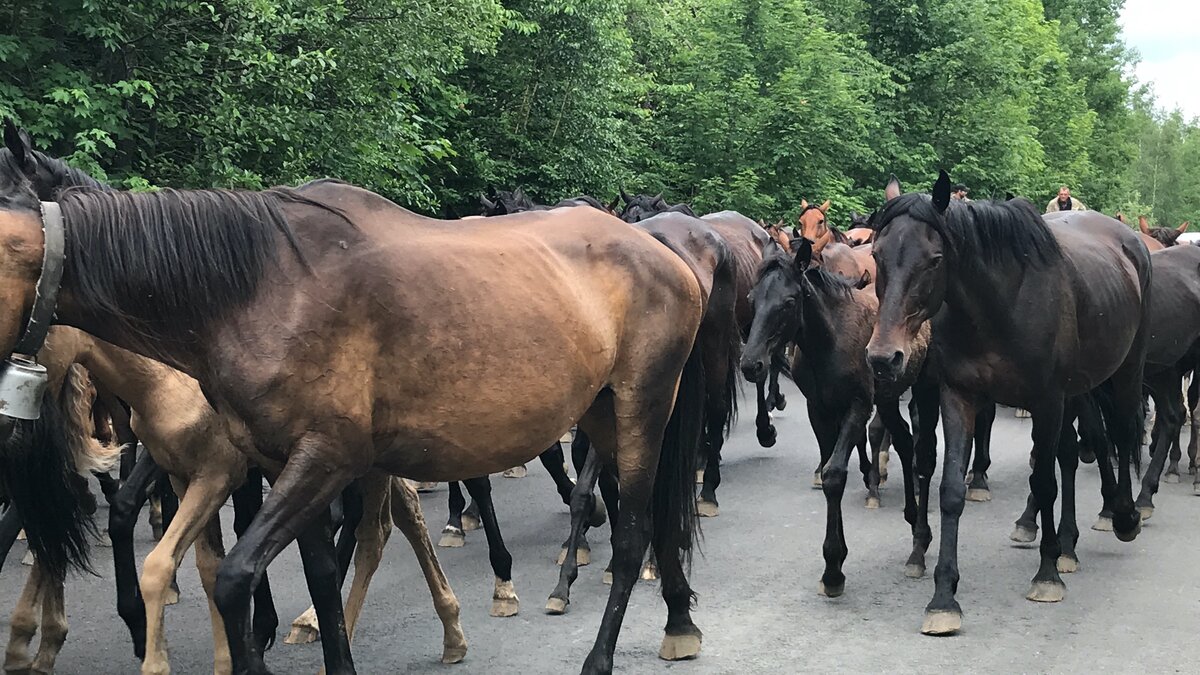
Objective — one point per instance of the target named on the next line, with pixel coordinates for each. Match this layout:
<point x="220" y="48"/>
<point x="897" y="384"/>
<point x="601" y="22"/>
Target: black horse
<point x="1040" y="314"/>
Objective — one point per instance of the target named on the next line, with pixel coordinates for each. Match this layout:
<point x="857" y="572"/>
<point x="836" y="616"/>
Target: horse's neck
<point x="818" y="322"/>
<point x="982" y="303"/>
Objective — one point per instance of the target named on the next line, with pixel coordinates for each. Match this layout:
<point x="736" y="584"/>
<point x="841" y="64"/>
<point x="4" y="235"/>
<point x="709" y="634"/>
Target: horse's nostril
<point x="897" y="359"/>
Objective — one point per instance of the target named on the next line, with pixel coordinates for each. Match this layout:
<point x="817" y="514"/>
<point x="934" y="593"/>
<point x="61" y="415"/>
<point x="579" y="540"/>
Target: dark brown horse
<point x="1167" y="236"/>
<point x="340" y="333"/>
<point x="830" y="323"/>
<point x="980" y="272"/>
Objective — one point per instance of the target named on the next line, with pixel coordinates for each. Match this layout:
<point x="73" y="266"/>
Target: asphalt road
<point x="1131" y="607"/>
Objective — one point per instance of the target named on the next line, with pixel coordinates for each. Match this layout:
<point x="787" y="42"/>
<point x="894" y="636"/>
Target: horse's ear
<point x="1121" y="217"/>
<point x="893" y="188"/>
<point x="624" y="196"/>
<point x="779" y="225"/>
<point x="864" y="280"/>
<point x="487" y="204"/>
<point x="658" y="198"/>
<point x="803" y="255"/>
<point x="803" y="204"/>
<point x="762" y="223"/>
<point x="612" y="206"/>
<point x="17" y="142"/>
<point x="1008" y="196"/>
<point x="1143" y="225"/>
<point x="941" y="192"/>
<point x="1183" y="227"/>
<point x="824" y="207"/>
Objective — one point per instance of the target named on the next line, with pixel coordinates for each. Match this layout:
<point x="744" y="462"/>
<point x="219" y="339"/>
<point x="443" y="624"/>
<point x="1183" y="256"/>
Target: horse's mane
<point x="166" y="263"/>
<point x="821" y="279"/>
<point x="981" y="230"/>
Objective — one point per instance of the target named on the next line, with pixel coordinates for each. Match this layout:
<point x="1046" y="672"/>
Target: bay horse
<point x="197" y="280"/>
<point x="830" y="321"/>
<point x="980" y="272"/>
<point x="702" y="248"/>
<point x="860" y="231"/>
<point x="1151" y="242"/>
<point x="1167" y="236"/>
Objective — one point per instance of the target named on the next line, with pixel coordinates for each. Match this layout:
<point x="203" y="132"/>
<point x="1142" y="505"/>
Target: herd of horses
<point x="335" y="344"/>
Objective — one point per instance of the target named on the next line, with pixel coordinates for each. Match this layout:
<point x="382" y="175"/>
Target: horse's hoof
<point x="649" y="572"/>
<point x="1129" y="535"/>
<point x="583" y="557"/>
<point x="556" y="606"/>
<point x="872" y="502"/>
<point x="942" y="622"/>
<point x="1171" y="478"/>
<point x="817" y="483"/>
<point x="452" y="537"/>
<point x="780" y="402"/>
<point x="707" y="509"/>
<point x="302" y="635"/>
<point x="979" y="495"/>
<point x="1047" y="591"/>
<point x="453" y="654"/>
<point x="767" y="436"/>
<point x="516" y="472"/>
<point x="470" y="522"/>
<point x="424" y="486"/>
<point x="1103" y="524"/>
<point x="679" y="647"/>
<point x="1146" y="512"/>
<point x="1023" y="535"/>
<point x="505" y="602"/>
<point x="699" y="476"/>
<point x="607" y="578"/>
<point x="1067" y="565"/>
<point x="831" y="591"/>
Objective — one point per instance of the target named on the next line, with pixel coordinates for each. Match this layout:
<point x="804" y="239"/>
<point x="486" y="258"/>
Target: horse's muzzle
<point x="886" y="364"/>
<point x="755" y="370"/>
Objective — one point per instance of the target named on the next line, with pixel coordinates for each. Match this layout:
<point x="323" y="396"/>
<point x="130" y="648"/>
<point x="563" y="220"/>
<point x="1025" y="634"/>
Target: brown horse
<point x="1152" y="243"/>
<point x="856" y="265"/>
<point x="336" y="333"/>
<point x="185" y="437"/>
<point x="779" y="235"/>
<point x="1167" y="236"/>
<point x="981" y="272"/>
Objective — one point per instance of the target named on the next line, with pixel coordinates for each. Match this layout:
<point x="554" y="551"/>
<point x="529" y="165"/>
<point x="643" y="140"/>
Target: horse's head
<point x="506" y="202"/>
<point x="910" y="254"/>
<point x="813" y="224"/>
<point x="777" y="298"/>
<point x="1167" y="236"/>
<point x="23" y="241"/>
<point x="641" y="207"/>
<point x="47" y="175"/>
<point x="779" y="235"/>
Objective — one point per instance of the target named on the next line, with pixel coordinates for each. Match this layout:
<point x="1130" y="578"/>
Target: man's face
<point x="960" y="194"/>
<point x="1064" y="194"/>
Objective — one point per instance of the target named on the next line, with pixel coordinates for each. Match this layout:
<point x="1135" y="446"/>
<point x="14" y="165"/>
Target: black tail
<point x="673" y="514"/>
<point x="732" y="367"/>
<point x="1103" y="398"/>
<point x="52" y="498"/>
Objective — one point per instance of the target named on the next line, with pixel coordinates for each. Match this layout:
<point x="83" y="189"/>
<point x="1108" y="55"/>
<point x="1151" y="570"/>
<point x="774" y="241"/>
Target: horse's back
<point x="746" y="240"/>
<point x="1174" y="304"/>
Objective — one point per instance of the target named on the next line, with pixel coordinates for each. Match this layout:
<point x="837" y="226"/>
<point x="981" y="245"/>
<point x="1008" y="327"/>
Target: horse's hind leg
<point x="1068" y="463"/>
<point x="10" y="525"/>
<point x="23" y="624"/>
<point x="210" y="551"/>
<point x="453" y="535"/>
<point x="54" y="626"/>
<point x="977" y="488"/>
<point x="407" y="515"/>
<point x="582" y="501"/>
<point x="1168" y="402"/>
<point x="504" y="600"/>
<point x="870" y="471"/>
<point x="346" y="513"/>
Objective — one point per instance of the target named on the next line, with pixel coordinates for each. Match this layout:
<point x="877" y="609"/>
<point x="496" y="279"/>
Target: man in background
<point x="1065" y="202"/>
<point x="959" y="193"/>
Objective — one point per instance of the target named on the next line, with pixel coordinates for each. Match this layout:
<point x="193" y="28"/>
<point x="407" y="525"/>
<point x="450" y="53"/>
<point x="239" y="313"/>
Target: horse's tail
<point x="675" y="524"/>
<point x="88" y="454"/>
<point x="1193" y="392"/>
<point x="780" y="363"/>
<point x="40" y="474"/>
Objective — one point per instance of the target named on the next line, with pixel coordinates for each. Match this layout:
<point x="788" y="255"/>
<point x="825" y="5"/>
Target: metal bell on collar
<point x="22" y="385"/>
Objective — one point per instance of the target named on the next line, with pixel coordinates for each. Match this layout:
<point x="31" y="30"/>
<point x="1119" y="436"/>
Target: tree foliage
<point x="746" y="104"/>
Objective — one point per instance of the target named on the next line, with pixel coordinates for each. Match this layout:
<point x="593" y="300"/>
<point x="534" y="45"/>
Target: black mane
<point x="981" y="230"/>
<point x="164" y="264"/>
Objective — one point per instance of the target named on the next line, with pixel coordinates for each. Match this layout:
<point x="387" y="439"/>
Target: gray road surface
<point x="1131" y="608"/>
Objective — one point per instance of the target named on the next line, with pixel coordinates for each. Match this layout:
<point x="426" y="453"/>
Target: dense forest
<point x="744" y="104"/>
